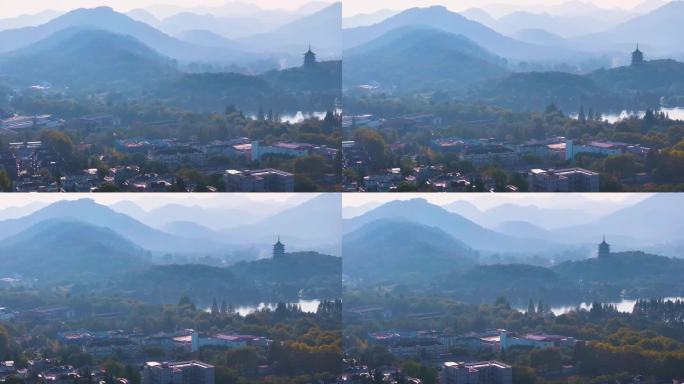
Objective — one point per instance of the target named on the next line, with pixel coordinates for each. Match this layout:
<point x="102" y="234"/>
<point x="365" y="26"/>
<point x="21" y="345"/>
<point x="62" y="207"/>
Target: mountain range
<point x="190" y="37"/>
<point x="303" y="274"/>
<point x="423" y="54"/>
<point x="107" y="19"/>
<point x="650" y="224"/>
<point x="89" y="246"/>
<point x="404" y="246"/>
<point x="61" y="250"/>
<point x="460" y="228"/>
<point x="311" y="216"/>
<point x="439" y="17"/>
<point x="659" y="31"/>
<point x="393" y="250"/>
<point x="114" y="62"/>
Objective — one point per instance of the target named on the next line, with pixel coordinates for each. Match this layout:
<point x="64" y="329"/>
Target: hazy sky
<point x="352" y="7"/>
<point x="151" y="201"/>
<point x="486" y="201"/>
<point x="11" y="8"/>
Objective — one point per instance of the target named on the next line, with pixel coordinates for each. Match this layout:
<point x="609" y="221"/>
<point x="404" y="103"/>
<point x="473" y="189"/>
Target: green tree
<point x="5" y="340"/>
<point x="5" y="182"/>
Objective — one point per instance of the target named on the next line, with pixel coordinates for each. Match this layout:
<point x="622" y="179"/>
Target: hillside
<point x="636" y="274"/>
<point x="107" y="19"/>
<point x="474" y="236"/>
<point x="401" y="251"/>
<point x="322" y="30"/>
<point x="410" y="59"/>
<point x="652" y="221"/>
<point x="536" y="90"/>
<point x="660" y="30"/>
<point x="87" y="211"/>
<point x="296" y="224"/>
<point x="87" y="60"/>
<point x="206" y="38"/>
<point x="70" y="251"/>
<point x="439" y="17"/>
<point x="296" y="89"/>
<point x="651" y="76"/>
<point x="517" y="282"/>
<point x="300" y="274"/>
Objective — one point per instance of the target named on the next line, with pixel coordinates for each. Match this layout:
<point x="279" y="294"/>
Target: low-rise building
<point x="489" y="154"/>
<point x="563" y="180"/>
<point x="184" y="372"/>
<point x="20" y="122"/>
<point x="227" y="341"/>
<point x="421" y="348"/>
<point x="384" y="181"/>
<point x="112" y="347"/>
<point x="99" y="121"/>
<point x="508" y="340"/>
<point x="484" y="372"/>
<point x="373" y="312"/>
<point x="262" y="180"/>
<point x="175" y="156"/>
<point x="290" y="149"/>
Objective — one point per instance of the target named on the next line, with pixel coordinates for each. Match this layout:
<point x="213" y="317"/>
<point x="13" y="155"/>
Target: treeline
<point x="664" y="163"/>
<point x="305" y="345"/>
<point x="612" y="345"/>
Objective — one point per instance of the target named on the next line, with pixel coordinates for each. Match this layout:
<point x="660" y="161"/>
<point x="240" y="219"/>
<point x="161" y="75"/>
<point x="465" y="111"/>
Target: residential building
<point x="420" y="348"/>
<point x="228" y="341"/>
<point x="263" y="180"/>
<point x="99" y="121"/>
<point x="184" y="372"/>
<point x="489" y="154"/>
<point x="19" y="122"/>
<point x="563" y="180"/>
<point x="368" y="313"/>
<point x="176" y="156"/>
<point x="603" y="148"/>
<point x="507" y="340"/>
<point x="290" y="149"/>
<point x="484" y="372"/>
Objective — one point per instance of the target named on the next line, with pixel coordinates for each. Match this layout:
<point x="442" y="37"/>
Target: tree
<point x="375" y="148"/>
<point x="530" y="307"/>
<point x="546" y="359"/>
<point x="4" y="342"/>
<point x="59" y="141"/>
<point x="224" y="307"/>
<point x="107" y="188"/>
<point x="312" y="167"/>
<point x="581" y="116"/>
<point x="620" y="165"/>
<point x="214" y="308"/>
<point x="5" y="182"/>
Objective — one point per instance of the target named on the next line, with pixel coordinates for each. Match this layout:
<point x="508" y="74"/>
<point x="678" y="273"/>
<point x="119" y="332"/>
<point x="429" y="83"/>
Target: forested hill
<point x="313" y="88"/>
<point x="631" y="87"/>
<point x="306" y="274"/>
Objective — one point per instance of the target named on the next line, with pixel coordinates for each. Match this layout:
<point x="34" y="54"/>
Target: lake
<point x="624" y="305"/>
<point x="676" y="113"/>
<point x="309" y="306"/>
<point x="294" y="118"/>
<point x="300" y="116"/>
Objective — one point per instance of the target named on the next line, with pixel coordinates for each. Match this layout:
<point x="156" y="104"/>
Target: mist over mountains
<point x="251" y="44"/>
<point x="238" y="232"/>
<point x="570" y="54"/>
<point x="514" y="230"/>
<point x="87" y="245"/>
<point x="410" y="245"/>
